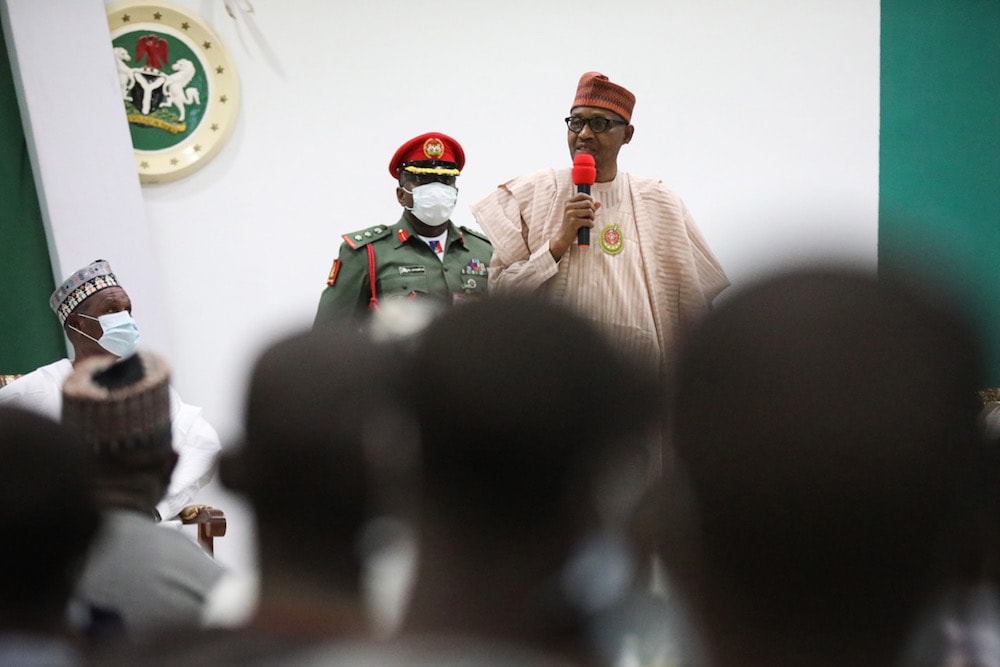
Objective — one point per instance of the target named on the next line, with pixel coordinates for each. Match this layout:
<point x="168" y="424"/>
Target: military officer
<point x="424" y="255"/>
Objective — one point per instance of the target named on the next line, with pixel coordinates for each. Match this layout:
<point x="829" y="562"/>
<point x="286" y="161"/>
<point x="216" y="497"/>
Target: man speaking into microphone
<point x="621" y="250"/>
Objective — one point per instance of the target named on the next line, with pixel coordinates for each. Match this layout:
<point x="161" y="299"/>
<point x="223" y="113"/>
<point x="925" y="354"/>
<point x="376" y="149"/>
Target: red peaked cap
<point x="431" y="153"/>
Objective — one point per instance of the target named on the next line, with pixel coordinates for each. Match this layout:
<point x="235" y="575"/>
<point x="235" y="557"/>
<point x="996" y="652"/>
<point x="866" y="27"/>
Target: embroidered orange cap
<point x="430" y="153"/>
<point x="596" y="90"/>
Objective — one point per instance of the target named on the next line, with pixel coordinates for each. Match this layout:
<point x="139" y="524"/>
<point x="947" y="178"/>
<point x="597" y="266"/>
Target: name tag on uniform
<point x="410" y="270"/>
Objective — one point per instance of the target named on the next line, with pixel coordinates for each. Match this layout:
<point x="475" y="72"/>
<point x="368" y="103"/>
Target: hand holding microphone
<point x="584" y="175"/>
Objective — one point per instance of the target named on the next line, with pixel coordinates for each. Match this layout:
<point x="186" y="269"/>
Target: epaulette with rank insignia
<point x="363" y="237"/>
<point x="475" y="232"/>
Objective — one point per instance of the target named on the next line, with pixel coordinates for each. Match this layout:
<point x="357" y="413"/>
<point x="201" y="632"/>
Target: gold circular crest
<point x="179" y="86"/>
<point x="611" y="239"/>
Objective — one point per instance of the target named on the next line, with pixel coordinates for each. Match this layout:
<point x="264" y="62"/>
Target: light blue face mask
<point x="121" y="333"/>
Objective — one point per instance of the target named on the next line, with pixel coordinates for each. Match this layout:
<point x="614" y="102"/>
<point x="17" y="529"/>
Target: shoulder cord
<point x="373" y="302"/>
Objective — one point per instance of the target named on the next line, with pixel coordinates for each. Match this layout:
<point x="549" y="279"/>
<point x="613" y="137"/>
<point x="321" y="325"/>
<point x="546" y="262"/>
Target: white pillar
<point x="81" y="149"/>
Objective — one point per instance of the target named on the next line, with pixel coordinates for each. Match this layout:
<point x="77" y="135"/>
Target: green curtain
<point x="30" y="335"/>
<point x="939" y="165"/>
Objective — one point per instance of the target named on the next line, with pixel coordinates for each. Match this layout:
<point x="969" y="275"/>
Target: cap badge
<point x="433" y="148"/>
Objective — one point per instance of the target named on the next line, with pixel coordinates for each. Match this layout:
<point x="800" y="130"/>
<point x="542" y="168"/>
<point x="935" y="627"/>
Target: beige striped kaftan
<point x="653" y="276"/>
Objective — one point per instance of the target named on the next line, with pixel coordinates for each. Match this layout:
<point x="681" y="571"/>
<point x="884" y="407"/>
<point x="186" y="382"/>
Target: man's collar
<point x="403" y="231"/>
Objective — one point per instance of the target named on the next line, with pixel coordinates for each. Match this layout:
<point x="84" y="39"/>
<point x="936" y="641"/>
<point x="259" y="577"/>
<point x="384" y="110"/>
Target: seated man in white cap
<point x="95" y="312"/>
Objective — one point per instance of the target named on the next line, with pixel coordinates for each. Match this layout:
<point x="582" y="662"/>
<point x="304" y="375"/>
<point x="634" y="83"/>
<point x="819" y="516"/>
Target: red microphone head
<point x="584" y="169"/>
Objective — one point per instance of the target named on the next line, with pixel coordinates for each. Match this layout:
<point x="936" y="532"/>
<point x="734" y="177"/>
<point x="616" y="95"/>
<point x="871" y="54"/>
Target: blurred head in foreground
<point x="121" y="411"/>
<point x="529" y="418"/>
<point x="49" y="519"/>
<point x="325" y="449"/>
<point x="824" y="422"/>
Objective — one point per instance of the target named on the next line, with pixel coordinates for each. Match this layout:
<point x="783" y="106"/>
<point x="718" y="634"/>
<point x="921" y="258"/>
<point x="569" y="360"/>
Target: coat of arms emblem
<point x="178" y="85"/>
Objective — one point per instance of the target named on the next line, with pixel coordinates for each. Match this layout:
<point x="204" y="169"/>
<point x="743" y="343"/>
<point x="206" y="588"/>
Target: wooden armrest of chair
<point x="211" y="523"/>
<point x="7" y="379"/>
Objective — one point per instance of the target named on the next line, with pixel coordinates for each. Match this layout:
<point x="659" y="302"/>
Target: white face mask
<point x="433" y="202"/>
<point x="120" y="334"/>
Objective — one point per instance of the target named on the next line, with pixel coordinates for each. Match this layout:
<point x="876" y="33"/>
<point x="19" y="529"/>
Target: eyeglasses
<point x="597" y="124"/>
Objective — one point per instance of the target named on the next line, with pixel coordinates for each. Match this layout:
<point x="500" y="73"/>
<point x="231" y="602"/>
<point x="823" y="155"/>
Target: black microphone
<point x="584" y="175"/>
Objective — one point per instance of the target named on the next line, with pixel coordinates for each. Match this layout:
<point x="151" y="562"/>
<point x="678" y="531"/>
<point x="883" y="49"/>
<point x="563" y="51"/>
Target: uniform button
<point x="445" y="268"/>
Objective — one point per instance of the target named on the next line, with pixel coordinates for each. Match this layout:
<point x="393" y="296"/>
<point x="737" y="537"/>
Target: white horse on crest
<point x="126" y="76"/>
<point x="177" y="95"/>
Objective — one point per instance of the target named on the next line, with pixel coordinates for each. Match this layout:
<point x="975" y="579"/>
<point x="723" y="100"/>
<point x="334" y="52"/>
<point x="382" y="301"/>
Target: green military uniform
<point x="405" y="266"/>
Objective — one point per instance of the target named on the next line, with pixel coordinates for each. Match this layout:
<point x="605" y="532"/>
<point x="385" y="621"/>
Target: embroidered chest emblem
<point x="611" y="240"/>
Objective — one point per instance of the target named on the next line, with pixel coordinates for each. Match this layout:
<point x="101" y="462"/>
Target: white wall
<point x="763" y="115"/>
